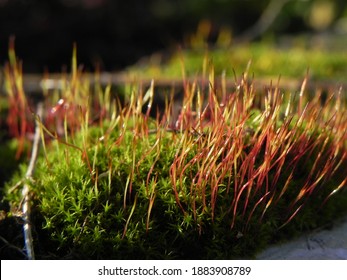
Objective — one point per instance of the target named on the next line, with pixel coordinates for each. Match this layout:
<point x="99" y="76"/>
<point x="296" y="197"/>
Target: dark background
<point x="114" y="34"/>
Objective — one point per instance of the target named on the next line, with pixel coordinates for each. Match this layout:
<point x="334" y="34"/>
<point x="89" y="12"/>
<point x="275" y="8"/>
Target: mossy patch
<point x="149" y="192"/>
<point x="264" y="58"/>
<point x="227" y="173"/>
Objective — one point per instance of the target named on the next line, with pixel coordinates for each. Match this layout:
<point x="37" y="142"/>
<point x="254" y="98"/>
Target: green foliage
<point x="265" y="58"/>
<point x="230" y="174"/>
<point x="135" y="191"/>
<point x="8" y="162"/>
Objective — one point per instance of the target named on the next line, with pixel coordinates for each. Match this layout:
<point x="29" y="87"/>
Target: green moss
<point x="220" y="185"/>
<point x="8" y="162"/>
<point x="266" y="60"/>
<point x="120" y="211"/>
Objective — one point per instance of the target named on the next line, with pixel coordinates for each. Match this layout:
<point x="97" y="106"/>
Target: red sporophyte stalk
<point x="257" y="169"/>
<point x="19" y="110"/>
<point x="228" y="146"/>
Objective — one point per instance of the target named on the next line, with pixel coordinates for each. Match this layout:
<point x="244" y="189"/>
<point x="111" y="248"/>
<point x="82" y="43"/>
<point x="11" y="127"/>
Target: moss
<point x="8" y="162"/>
<point x="111" y="212"/>
<point x="215" y="182"/>
<point x="265" y="58"/>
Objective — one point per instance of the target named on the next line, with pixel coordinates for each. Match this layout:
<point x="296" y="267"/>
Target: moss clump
<point x="220" y="181"/>
<point x="226" y="174"/>
<point x="265" y="58"/>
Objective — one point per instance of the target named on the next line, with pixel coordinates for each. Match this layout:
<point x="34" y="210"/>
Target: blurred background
<point x="112" y="34"/>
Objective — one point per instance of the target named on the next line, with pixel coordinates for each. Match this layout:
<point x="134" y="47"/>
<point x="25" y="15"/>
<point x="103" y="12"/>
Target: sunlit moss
<point x="229" y="174"/>
<point x="266" y="60"/>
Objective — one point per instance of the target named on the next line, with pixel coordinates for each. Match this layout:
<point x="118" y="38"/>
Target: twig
<point x="28" y="239"/>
